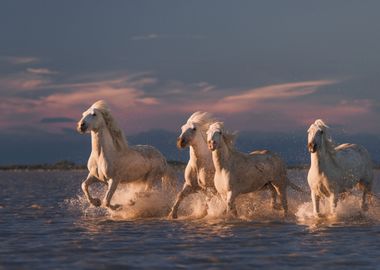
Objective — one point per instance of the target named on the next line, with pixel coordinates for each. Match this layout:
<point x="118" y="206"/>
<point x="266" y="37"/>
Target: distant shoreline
<point x="70" y="166"/>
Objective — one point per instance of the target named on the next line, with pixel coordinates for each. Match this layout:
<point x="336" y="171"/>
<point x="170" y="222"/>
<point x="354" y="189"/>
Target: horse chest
<point x="205" y="178"/>
<point x="321" y="184"/>
<point x="222" y="182"/>
<point x="99" y="167"/>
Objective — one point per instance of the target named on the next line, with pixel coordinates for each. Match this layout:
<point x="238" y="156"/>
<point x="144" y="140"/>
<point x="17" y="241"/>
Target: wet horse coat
<point x="112" y="161"/>
<point x="336" y="170"/>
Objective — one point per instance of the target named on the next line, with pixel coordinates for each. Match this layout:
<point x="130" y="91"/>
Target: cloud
<point x="41" y="71"/>
<point x="19" y="60"/>
<point x="53" y="120"/>
<point x="145" y="37"/>
<point x="140" y="102"/>
<point x="23" y="81"/>
<point x="249" y="98"/>
<point x="124" y="94"/>
<point x="153" y="36"/>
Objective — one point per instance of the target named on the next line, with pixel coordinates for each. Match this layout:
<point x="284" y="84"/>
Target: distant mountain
<point x="291" y="146"/>
<point x="39" y="148"/>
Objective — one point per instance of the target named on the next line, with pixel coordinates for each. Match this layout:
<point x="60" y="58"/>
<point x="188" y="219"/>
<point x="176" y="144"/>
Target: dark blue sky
<point x="267" y="66"/>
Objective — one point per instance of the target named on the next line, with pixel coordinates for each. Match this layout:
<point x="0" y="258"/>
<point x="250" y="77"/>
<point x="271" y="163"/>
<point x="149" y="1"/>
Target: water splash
<point x="348" y="212"/>
<point x="156" y="203"/>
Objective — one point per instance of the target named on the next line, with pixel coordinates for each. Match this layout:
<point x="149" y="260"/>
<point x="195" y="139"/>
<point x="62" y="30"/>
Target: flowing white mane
<point x="203" y="119"/>
<point x="116" y="133"/>
<point x="320" y="124"/>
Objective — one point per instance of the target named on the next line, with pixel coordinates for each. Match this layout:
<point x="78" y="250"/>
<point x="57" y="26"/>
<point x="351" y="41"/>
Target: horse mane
<point x="117" y="134"/>
<point x="330" y="145"/>
<point x="203" y="119"/>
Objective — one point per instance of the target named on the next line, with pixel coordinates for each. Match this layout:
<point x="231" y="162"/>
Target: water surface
<point x="46" y="224"/>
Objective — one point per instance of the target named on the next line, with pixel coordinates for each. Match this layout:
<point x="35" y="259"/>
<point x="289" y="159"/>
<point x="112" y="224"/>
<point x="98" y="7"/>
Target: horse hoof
<point x="232" y="214"/>
<point x="172" y="215"/>
<point x="115" y="207"/>
<point x="277" y="207"/>
<point x="96" y="202"/>
<point x="131" y="203"/>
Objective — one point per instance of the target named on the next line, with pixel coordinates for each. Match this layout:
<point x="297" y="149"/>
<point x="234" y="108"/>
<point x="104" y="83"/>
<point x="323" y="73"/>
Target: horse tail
<point x="296" y="188"/>
<point x="169" y="179"/>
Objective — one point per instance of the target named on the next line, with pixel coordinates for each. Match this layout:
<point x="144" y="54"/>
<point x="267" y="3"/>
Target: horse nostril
<point x="312" y="147"/>
<point x="82" y="127"/>
<point x="181" y="143"/>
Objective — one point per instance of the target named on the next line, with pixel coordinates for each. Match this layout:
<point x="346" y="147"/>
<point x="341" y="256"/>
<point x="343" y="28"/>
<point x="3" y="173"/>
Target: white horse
<point x="336" y="169"/>
<point x="199" y="172"/>
<point x="112" y="161"/>
<point x="238" y="173"/>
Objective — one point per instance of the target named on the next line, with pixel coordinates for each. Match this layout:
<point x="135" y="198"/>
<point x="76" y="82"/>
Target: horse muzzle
<point x="312" y="147"/>
<point x="181" y="142"/>
<point x="82" y="127"/>
<point x="212" y="145"/>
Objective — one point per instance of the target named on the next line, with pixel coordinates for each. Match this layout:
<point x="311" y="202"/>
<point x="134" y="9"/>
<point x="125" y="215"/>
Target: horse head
<point x="188" y="134"/>
<point x="214" y="135"/>
<point x="316" y="133"/>
<point x="194" y="131"/>
<point x="92" y="119"/>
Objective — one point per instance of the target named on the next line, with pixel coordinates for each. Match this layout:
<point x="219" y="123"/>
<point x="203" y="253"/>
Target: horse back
<point x="355" y="162"/>
<point x="266" y="163"/>
<point x="353" y="154"/>
<point x="147" y="151"/>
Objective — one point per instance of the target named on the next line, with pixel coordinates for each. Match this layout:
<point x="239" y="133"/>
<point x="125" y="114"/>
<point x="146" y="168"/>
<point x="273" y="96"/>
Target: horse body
<point x="239" y="173"/>
<point x="112" y="161"/>
<point x="199" y="172"/>
<point x="336" y="170"/>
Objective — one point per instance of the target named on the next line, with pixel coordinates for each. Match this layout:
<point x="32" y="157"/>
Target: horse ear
<point x="320" y="123"/>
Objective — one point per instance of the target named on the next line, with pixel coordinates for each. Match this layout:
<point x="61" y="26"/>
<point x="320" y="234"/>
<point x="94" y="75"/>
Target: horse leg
<point x="231" y="207"/>
<point x="315" y="199"/>
<point x="333" y="203"/>
<point x="208" y="195"/>
<point x="169" y="180"/>
<point x="281" y="192"/>
<point x="90" y="179"/>
<point x="283" y="198"/>
<point x="366" y="192"/>
<point x="186" y="191"/>
<point x="112" y="185"/>
<point x="273" y="197"/>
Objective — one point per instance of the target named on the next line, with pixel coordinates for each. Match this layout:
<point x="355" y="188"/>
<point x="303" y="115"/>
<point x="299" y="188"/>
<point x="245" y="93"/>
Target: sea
<point x="46" y="223"/>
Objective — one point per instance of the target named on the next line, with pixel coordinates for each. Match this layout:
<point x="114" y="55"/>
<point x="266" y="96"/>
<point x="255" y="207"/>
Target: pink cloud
<point x="19" y="60"/>
<point x="23" y="82"/>
<point x="266" y="108"/>
<point x="249" y="98"/>
<point x="41" y="71"/>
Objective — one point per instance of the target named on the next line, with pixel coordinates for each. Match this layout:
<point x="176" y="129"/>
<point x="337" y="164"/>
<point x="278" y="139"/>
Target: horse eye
<point x="321" y="131"/>
<point x="194" y="128"/>
<point x="94" y="114"/>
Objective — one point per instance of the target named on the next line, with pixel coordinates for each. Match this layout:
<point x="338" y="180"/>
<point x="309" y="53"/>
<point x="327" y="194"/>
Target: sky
<point x="261" y="66"/>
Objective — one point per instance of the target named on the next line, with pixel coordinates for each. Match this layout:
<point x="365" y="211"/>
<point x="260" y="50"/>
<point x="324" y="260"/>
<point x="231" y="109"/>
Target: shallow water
<point x="46" y="223"/>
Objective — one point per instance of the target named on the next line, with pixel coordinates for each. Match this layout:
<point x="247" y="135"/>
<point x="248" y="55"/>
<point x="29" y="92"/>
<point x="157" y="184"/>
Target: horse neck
<point x="221" y="156"/>
<point x="102" y="142"/>
<point x="322" y="159"/>
<point x="199" y="152"/>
